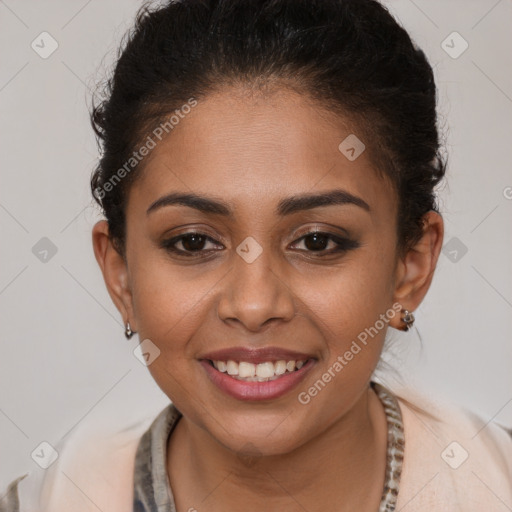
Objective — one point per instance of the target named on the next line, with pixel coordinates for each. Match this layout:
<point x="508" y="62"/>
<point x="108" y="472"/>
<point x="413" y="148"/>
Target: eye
<point x="318" y="241"/>
<point x="193" y="242"/>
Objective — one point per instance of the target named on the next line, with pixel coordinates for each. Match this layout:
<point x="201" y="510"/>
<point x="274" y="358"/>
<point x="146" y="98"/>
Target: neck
<point x="344" y="465"/>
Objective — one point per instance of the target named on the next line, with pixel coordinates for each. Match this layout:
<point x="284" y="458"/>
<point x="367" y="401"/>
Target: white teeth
<point x="257" y="372"/>
<point x="246" y="369"/>
<point x="232" y="368"/>
<point x="265" y="370"/>
<point x="280" y="367"/>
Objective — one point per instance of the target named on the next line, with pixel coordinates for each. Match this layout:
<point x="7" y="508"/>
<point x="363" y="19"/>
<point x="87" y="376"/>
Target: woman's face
<point x="255" y="280"/>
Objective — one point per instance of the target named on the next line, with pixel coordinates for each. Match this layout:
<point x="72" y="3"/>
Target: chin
<point x="262" y="438"/>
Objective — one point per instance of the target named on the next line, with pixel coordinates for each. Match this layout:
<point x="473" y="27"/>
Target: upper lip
<point x="255" y="355"/>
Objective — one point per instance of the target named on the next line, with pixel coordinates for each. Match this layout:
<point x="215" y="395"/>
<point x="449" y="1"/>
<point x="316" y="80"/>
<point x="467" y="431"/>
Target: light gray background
<point x="64" y="357"/>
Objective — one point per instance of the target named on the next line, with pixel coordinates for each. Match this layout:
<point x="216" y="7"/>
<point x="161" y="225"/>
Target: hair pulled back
<point x="350" y="55"/>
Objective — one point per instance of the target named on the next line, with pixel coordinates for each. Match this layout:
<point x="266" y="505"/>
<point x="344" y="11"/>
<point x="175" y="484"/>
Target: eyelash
<point x="343" y="244"/>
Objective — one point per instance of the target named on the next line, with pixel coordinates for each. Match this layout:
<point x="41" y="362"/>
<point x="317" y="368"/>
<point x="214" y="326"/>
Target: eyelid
<point x="178" y="237"/>
<point x="194" y="230"/>
<point x="343" y="243"/>
<point x="303" y="231"/>
<point x="310" y="230"/>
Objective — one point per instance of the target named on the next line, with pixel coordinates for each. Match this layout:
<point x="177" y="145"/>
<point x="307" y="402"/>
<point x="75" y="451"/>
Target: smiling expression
<point x="223" y="261"/>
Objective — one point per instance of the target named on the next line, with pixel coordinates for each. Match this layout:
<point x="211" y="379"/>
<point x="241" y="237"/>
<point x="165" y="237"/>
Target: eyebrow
<point x="286" y="206"/>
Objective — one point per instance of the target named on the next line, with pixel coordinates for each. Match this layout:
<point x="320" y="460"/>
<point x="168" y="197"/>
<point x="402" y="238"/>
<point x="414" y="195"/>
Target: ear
<point x="415" y="269"/>
<point x="114" y="270"/>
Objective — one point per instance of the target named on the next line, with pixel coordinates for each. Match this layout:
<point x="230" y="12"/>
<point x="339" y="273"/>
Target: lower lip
<point x="267" y="390"/>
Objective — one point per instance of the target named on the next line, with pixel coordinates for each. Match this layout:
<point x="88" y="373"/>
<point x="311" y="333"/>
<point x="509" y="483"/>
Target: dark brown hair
<point x="350" y="55"/>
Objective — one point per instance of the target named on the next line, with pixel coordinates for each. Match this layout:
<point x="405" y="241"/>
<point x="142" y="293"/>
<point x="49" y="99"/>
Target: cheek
<point x="352" y="307"/>
<point x="169" y="307"/>
<point x="168" y="302"/>
<point x="353" y="296"/>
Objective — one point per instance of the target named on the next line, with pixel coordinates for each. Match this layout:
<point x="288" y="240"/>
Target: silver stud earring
<point x="408" y="319"/>
<point x="128" y="331"/>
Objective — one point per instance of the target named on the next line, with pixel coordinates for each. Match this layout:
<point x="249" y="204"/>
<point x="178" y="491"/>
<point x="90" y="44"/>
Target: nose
<point x="255" y="294"/>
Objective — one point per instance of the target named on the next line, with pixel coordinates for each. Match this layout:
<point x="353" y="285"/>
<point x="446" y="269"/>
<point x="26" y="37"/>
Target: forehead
<point x="257" y="148"/>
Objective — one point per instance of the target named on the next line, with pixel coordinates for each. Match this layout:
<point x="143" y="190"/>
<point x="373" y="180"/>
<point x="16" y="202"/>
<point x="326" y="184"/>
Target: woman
<point x="267" y="179"/>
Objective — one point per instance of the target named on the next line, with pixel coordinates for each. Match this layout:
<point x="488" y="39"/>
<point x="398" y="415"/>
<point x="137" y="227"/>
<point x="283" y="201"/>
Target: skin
<point x="251" y="151"/>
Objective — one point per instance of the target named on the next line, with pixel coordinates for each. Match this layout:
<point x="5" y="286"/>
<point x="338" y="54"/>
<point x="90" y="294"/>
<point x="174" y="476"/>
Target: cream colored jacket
<point x="456" y="463"/>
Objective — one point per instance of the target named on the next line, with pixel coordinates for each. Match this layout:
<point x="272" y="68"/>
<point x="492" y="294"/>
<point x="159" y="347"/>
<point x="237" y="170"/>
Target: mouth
<point x="261" y="372"/>
<point x="263" y="380"/>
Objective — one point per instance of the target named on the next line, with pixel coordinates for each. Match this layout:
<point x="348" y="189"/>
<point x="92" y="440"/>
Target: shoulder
<point x="94" y="471"/>
<point x="454" y="459"/>
<point x="9" y="498"/>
